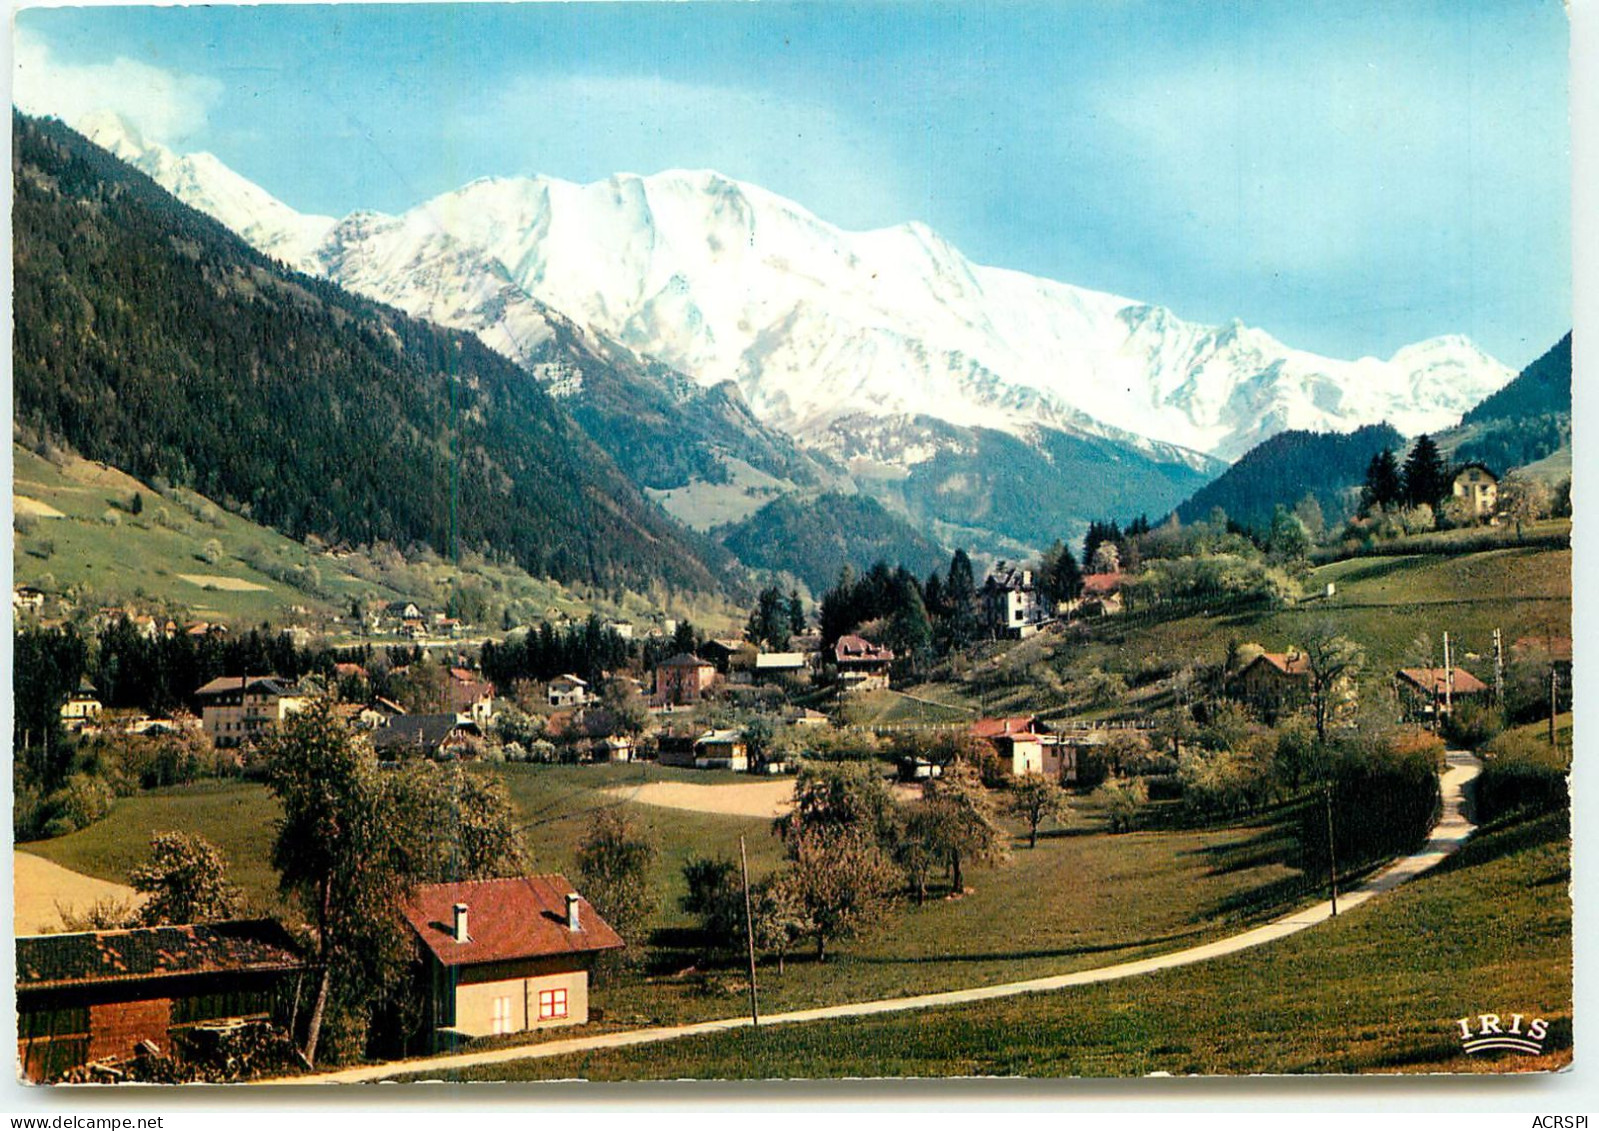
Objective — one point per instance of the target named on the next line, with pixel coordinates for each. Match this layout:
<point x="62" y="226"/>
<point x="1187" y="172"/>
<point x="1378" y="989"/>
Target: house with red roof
<point x="505" y="956"/>
<point x="1274" y="683"/>
<point x="1019" y="741"/>
<point x="861" y="665"/>
<point x="1430" y="694"/>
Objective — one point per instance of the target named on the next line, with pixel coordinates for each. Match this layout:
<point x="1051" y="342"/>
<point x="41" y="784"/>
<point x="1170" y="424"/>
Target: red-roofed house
<point x="506" y="956"/>
<point x="862" y="665"/>
<point x="1274" y="683"/>
<point x="1101" y="594"/>
<point x="1018" y="742"/>
<point x="1430" y="693"/>
<point x="470" y="697"/>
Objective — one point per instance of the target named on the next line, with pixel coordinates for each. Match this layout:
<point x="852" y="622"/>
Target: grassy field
<point x="1082" y="898"/>
<point x="1376" y="990"/>
<point x="159" y="556"/>
<point x="120" y="556"/>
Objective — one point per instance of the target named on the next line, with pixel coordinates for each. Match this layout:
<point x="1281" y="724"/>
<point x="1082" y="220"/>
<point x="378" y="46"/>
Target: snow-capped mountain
<point x="725" y="281"/>
<point x="203" y="182"/>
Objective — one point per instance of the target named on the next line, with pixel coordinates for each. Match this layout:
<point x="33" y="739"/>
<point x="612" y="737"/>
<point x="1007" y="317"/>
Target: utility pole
<point x="749" y="932"/>
<point x="1554" y="698"/>
<point x="1499" y="669"/>
<point x="1332" y="854"/>
<point x="1449" y="678"/>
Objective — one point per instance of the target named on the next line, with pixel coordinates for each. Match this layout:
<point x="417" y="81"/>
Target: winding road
<point x="1447" y="836"/>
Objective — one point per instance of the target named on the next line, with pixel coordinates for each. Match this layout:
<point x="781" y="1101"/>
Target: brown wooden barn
<point x="98" y="996"/>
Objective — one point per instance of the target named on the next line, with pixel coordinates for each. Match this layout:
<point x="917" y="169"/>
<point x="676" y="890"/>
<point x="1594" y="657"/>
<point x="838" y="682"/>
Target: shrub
<point x="1123" y="799"/>
<point x="1470" y="725"/>
<point x="1521" y="772"/>
<point x="1384" y="798"/>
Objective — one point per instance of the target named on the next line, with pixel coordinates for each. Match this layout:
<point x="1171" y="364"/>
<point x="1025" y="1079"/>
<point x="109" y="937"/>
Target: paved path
<point x="1450" y="832"/>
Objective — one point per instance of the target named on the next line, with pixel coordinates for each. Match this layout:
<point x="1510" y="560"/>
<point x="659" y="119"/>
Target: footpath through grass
<point x="1082" y="898"/>
<point x="1377" y="990"/>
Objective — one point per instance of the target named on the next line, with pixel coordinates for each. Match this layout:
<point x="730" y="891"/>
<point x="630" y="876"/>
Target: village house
<point x="471" y="698"/>
<point x="614" y="748"/>
<point x="1430" y="694"/>
<point x="402" y="611"/>
<point x="1013" y="606"/>
<point x="622" y="628"/>
<point x="82" y="708"/>
<point x="102" y="997"/>
<point x="440" y="737"/>
<point x="682" y="680"/>
<point x="721" y="750"/>
<point x="567" y="691"/>
<point x="1274" y="684"/>
<point x="239" y="709"/>
<point x="1019" y="741"/>
<point x="722" y="652"/>
<point x="781" y="667"/>
<point x="675" y="749"/>
<point x="505" y="956"/>
<point x="26" y="599"/>
<point x="805" y="717"/>
<point x="861" y="665"/>
<point x="1101" y="595"/>
<point x="1479" y="487"/>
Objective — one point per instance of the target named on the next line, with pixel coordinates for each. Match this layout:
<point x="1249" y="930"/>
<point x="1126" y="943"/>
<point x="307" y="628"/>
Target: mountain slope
<point x="813" y="539"/>
<point x="1524" y="424"/>
<point x="728" y="282"/>
<point x="150" y="337"/>
<point x="1542" y="387"/>
<point x="1287" y="467"/>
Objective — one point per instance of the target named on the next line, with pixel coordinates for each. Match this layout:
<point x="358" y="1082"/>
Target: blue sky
<point x="1349" y="176"/>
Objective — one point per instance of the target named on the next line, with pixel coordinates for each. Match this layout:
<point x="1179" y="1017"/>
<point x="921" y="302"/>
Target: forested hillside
<point x="814" y="539"/>
<point x="149" y="337"/>
<point x="1526" y="421"/>
<point x="1542" y="387"/>
<point x="1289" y="466"/>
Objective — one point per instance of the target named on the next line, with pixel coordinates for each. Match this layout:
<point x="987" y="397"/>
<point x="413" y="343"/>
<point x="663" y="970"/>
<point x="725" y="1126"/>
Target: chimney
<point x="573" y="920"/>
<point x="460" y="924"/>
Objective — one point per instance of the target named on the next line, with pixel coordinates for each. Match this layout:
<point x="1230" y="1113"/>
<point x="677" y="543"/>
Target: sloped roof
<point x="93" y="957"/>
<point x="1296" y="664"/>
<point x="222" y="685"/>
<point x="520" y="917"/>
<point x="685" y="660"/>
<point x="1433" y="680"/>
<point x="1101" y="584"/>
<point x="1009" y="577"/>
<point x="569" y="678"/>
<point x="992" y="728"/>
<point x="779" y="660"/>
<point x="859" y="650"/>
<point x="419" y="732"/>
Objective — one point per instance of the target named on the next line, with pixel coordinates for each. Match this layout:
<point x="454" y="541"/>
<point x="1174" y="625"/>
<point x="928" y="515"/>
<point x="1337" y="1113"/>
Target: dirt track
<point x="39" y="885"/>
<point x="754" y="799"/>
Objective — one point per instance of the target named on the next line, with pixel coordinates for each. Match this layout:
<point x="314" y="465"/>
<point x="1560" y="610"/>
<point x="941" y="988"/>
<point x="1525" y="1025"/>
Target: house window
<point x="552" y="1004"/>
<point x="502" y="1015"/>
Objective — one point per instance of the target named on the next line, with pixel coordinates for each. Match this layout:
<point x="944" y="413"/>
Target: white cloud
<point x="165" y="106"/>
